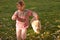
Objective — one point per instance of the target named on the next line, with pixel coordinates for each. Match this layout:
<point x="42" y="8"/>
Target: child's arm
<point x="35" y="15"/>
<point x="14" y="17"/>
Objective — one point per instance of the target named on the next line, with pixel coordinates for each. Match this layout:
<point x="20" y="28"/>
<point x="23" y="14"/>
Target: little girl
<point x="22" y="20"/>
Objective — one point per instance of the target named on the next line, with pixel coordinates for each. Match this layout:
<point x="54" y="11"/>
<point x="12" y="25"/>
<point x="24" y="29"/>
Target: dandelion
<point x="47" y="33"/>
<point x="58" y="26"/>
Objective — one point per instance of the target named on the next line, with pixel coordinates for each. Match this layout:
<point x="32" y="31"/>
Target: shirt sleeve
<point x="29" y="13"/>
<point x="35" y="15"/>
<point x="15" y="13"/>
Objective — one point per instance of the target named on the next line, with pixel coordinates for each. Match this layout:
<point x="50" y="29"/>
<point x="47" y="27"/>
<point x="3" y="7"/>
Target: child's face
<point x="19" y="7"/>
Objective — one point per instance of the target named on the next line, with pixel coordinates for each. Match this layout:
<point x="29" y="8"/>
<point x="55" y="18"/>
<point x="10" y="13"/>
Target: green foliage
<point x="49" y="14"/>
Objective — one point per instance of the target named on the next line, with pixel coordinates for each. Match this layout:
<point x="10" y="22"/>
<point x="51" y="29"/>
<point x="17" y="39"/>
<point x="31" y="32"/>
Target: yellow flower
<point x="58" y="26"/>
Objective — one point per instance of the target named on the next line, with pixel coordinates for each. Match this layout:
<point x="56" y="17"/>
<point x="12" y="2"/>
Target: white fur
<point x="35" y="26"/>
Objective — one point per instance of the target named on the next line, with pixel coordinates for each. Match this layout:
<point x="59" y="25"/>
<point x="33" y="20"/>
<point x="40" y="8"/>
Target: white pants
<point x="21" y="33"/>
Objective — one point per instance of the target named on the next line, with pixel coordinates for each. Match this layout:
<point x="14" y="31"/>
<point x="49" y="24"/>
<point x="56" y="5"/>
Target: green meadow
<point x="49" y="15"/>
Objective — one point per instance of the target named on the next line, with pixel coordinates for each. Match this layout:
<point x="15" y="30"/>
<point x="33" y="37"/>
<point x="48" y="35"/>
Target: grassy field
<point x="48" y="11"/>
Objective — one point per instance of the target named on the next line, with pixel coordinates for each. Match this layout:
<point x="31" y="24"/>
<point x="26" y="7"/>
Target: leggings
<point x="21" y="33"/>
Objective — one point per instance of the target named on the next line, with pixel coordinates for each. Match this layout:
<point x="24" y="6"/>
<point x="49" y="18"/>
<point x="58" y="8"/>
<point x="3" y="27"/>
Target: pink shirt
<point x="24" y="23"/>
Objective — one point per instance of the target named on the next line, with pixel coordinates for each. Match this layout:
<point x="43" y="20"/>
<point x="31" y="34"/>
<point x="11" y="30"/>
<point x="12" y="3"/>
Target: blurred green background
<point x="49" y="14"/>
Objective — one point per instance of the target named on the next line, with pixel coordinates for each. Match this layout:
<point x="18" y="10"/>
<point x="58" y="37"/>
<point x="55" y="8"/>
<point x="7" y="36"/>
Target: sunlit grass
<point x="49" y="14"/>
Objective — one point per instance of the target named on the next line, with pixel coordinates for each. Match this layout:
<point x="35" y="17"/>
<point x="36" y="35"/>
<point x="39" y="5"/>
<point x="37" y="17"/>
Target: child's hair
<point x="20" y="2"/>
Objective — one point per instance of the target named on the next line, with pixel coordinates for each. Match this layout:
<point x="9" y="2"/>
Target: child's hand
<point x="14" y="17"/>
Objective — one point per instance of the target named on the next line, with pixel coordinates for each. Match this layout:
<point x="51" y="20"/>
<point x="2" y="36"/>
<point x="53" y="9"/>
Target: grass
<point x="48" y="11"/>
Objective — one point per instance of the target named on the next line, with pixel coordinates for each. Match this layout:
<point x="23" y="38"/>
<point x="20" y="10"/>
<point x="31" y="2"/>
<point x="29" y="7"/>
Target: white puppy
<point x="36" y="25"/>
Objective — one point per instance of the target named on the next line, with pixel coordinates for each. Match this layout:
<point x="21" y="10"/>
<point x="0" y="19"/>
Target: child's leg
<point x="23" y="34"/>
<point x="18" y="34"/>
